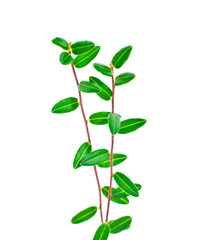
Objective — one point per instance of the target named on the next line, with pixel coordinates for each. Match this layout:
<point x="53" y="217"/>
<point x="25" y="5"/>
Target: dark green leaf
<point x="130" y="125"/>
<point x="84" y="59"/>
<point x="88" y="87"/>
<point x="138" y="186"/>
<point x="114" y="123"/>
<point x="61" y="43"/>
<point x="120" y="224"/>
<point x="126" y="184"/>
<point x="66" y="105"/>
<point x="82" y="47"/>
<point x="83" y="151"/>
<point x="65" y="58"/>
<point x="117" y="159"/>
<point x="106" y="92"/>
<point x="105" y="191"/>
<point x="102" y="232"/>
<point x="84" y="215"/>
<point x="105" y="70"/>
<point x="121" y="56"/>
<point x="95" y="157"/>
<point x="124" y="78"/>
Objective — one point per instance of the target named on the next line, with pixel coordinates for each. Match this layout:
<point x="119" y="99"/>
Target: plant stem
<point x="111" y="152"/>
<point x="89" y="139"/>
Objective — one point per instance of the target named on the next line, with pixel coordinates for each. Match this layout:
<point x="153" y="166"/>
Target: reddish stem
<point x="89" y="139"/>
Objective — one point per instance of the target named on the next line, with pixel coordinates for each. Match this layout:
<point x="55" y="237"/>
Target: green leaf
<point x="105" y="191"/>
<point x="114" y="123"/>
<point x="61" y="43"/>
<point x="126" y="184"/>
<point x="124" y="78"/>
<point x="117" y="159"/>
<point x="88" y="87"/>
<point x="100" y="118"/>
<point x="82" y="47"/>
<point x="131" y="124"/>
<point x="121" y="57"/>
<point x="106" y="92"/>
<point x="66" y="105"/>
<point x="102" y="232"/>
<point x="95" y="157"/>
<point x="84" y="215"/>
<point x="65" y="58"/>
<point x="84" y="59"/>
<point x="138" y="186"/>
<point x="120" y="224"/>
<point x="119" y="193"/>
<point x="105" y="70"/>
<point x="83" y="151"/>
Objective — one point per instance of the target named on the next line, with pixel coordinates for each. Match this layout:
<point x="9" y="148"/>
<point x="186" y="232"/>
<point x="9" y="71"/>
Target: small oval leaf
<point x="102" y="232"/>
<point x="99" y="118"/>
<point x="117" y="159"/>
<point x="126" y="184"/>
<point x="120" y="224"/>
<point x="106" y="92"/>
<point x="124" y="78"/>
<point x="84" y="59"/>
<point x="88" y="87"/>
<point x="114" y="123"/>
<point x="82" y="47"/>
<point x="121" y="57"/>
<point x="103" y="69"/>
<point x="61" y="43"/>
<point x="66" y="105"/>
<point x="84" y="215"/>
<point x="131" y="124"/>
<point x="65" y="58"/>
<point x="95" y="157"/>
<point x="83" y="151"/>
<point x="105" y="191"/>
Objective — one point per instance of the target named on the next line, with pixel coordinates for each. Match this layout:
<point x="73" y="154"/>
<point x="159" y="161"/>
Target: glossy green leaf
<point x="105" y="191"/>
<point x="138" y="186"/>
<point x="66" y="105"/>
<point x="84" y="215"/>
<point x="99" y="118"/>
<point x="106" y="92"/>
<point x="119" y="193"/>
<point x="61" y="43"/>
<point x="88" y="87"/>
<point x="126" y="184"/>
<point x="103" y="69"/>
<point x="117" y="159"/>
<point x="102" y="232"/>
<point x="82" y="47"/>
<point x="121" y="57"/>
<point x="114" y="123"/>
<point x="120" y="224"/>
<point x="84" y="59"/>
<point x="130" y="125"/>
<point x="83" y="151"/>
<point x="65" y="58"/>
<point x="124" y="78"/>
<point x="95" y="157"/>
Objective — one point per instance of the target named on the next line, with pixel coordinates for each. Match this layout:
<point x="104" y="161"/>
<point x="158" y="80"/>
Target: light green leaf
<point x="120" y="224"/>
<point x="130" y="125"/>
<point x="88" y="87"/>
<point x="65" y="58"/>
<point x="61" y="43"/>
<point x="82" y="47"/>
<point x="105" y="70"/>
<point x="84" y="59"/>
<point x="83" y="151"/>
<point x="114" y="123"/>
<point x="95" y="157"/>
<point x="84" y="215"/>
<point x="66" y="105"/>
<point x="124" y="78"/>
<point x="117" y="159"/>
<point x="102" y="232"/>
<point x="106" y="92"/>
<point x="105" y="191"/>
<point x="126" y="184"/>
<point x="121" y="56"/>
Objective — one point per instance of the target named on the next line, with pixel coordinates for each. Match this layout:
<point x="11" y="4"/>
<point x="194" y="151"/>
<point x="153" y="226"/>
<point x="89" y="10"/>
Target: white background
<point x="40" y="191"/>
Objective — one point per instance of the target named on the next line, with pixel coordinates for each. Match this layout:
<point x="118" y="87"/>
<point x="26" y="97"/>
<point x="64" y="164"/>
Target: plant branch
<point x="89" y="139"/>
